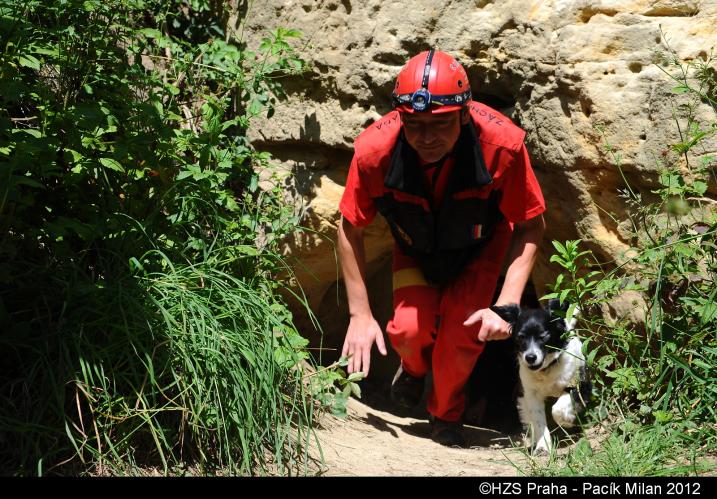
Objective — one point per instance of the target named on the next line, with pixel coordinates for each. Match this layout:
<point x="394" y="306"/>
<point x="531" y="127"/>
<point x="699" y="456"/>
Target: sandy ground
<point x="372" y="442"/>
<point x="378" y="440"/>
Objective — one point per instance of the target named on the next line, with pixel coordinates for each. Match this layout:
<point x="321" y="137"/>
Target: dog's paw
<point x="564" y="411"/>
<point x="541" y="451"/>
<point x="543" y="445"/>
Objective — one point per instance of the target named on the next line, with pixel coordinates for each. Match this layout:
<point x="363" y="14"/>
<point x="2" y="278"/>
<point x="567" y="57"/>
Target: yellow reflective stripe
<point x="408" y="277"/>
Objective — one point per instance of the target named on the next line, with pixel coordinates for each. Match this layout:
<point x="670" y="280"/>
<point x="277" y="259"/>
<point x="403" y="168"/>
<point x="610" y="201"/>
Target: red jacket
<point x="491" y="179"/>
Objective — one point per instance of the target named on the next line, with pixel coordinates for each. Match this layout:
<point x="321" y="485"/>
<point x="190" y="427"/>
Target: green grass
<point x="624" y="448"/>
<point x="140" y="322"/>
<point x="189" y="367"/>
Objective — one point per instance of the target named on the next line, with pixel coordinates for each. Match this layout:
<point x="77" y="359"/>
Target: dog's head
<point x="539" y="334"/>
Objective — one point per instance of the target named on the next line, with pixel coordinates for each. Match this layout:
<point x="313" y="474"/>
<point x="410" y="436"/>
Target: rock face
<point x="572" y="73"/>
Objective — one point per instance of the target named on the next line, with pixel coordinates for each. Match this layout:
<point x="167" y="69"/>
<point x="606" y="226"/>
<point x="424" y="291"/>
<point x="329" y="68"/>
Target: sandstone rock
<point x="575" y="74"/>
<point x="628" y="308"/>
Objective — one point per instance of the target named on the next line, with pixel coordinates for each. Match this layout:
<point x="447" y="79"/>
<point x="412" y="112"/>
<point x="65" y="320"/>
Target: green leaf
<point x="297" y="63"/>
<point x="702" y="364"/>
<point x="30" y="131"/>
<point x="29" y="62"/>
<point x="590" y="360"/>
<point x="559" y="247"/>
<point x="662" y="416"/>
<point x="699" y="187"/>
<point x="255" y="106"/>
<point x="558" y="260"/>
<point x="111" y="164"/>
<point x="53" y="52"/>
<point x="357" y="376"/>
<point x="285" y="357"/>
<point x="338" y="409"/>
<point x="135" y="265"/>
<point x="559" y="281"/>
<point x="296" y="340"/>
<point x="290" y="33"/>
<point x="571" y="311"/>
<point x="151" y="33"/>
<point x="247" y="250"/>
<point x="90" y="5"/>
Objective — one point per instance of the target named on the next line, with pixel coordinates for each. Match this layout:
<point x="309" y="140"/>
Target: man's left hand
<point x="492" y="327"/>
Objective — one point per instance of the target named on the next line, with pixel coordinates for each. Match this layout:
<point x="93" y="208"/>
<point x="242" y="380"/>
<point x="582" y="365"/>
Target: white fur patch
<point x="534" y="349"/>
<point x="564" y="411"/>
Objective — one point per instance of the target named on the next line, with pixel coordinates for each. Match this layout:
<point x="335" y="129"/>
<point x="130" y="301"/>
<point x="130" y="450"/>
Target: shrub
<point x="661" y="373"/>
<point x="141" y="324"/>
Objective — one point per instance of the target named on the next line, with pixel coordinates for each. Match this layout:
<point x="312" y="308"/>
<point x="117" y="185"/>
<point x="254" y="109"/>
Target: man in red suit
<point x="452" y="178"/>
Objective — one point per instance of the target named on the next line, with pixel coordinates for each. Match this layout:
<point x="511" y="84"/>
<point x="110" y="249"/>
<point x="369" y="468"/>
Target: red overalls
<point x="427" y="327"/>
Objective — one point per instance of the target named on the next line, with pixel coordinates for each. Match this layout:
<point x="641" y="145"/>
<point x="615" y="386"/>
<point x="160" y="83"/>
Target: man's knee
<point x="413" y="324"/>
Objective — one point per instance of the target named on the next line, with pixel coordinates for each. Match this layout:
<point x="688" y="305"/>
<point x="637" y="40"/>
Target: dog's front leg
<point x="564" y="411"/>
<point x="532" y="414"/>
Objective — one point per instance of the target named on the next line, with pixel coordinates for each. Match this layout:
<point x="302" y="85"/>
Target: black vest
<point x="446" y="240"/>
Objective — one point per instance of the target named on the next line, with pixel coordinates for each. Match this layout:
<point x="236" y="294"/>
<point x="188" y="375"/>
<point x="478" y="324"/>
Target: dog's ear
<point x="509" y="313"/>
<point x="555" y="305"/>
<point x="556" y="312"/>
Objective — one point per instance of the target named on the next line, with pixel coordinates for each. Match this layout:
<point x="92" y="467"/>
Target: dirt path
<point x="372" y="442"/>
<point x="379" y="440"/>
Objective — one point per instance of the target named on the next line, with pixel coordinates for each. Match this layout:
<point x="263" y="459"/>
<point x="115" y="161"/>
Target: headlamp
<point x="421" y="100"/>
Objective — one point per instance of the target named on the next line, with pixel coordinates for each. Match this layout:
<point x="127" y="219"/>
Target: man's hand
<point x="362" y="332"/>
<point x="492" y="327"/>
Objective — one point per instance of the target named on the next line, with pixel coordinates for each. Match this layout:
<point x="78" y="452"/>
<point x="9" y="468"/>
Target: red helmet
<point x="431" y="81"/>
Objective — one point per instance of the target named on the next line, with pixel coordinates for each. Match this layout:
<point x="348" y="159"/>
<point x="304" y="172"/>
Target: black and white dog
<point x="551" y="365"/>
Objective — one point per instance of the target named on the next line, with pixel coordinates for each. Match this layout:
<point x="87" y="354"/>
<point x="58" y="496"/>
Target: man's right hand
<point x="362" y="332"/>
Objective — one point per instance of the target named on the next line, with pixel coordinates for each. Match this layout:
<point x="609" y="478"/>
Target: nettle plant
<point x="664" y="370"/>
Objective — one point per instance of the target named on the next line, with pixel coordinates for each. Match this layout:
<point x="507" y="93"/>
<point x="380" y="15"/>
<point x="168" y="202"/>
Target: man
<point x="453" y="180"/>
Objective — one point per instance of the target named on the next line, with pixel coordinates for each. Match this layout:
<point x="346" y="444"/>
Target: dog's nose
<point x="530" y="358"/>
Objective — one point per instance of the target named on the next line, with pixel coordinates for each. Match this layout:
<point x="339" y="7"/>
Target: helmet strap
<point x="427" y="69"/>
